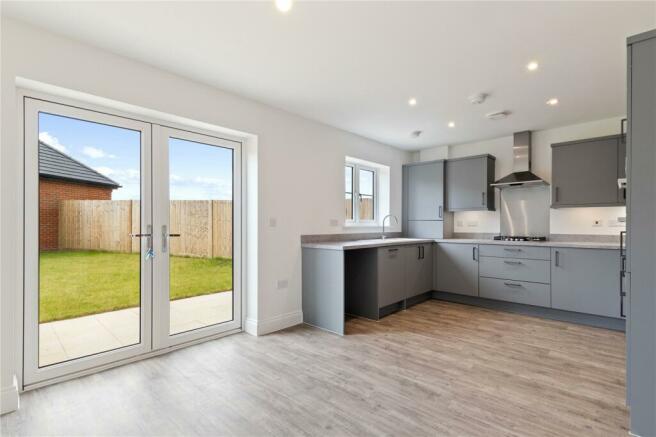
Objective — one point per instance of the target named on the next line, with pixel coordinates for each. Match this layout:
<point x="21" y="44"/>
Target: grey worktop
<point x="364" y="244"/>
<point x="572" y="244"/>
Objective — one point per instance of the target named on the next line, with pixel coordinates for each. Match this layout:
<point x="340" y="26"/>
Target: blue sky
<point x="197" y="171"/>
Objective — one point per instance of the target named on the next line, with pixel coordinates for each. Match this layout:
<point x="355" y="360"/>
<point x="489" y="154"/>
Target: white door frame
<point x="32" y="376"/>
<point x="161" y="209"/>
<point x="32" y="373"/>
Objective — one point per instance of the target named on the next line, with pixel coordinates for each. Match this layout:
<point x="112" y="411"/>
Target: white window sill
<point x="362" y="225"/>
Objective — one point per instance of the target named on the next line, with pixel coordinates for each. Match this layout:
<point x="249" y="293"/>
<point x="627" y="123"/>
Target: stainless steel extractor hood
<point x="521" y="174"/>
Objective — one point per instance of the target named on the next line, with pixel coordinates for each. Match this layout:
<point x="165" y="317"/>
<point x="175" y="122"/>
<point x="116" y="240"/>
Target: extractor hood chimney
<point x="521" y="174"/>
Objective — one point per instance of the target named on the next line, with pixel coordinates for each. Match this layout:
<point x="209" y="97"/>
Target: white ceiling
<point x="354" y="65"/>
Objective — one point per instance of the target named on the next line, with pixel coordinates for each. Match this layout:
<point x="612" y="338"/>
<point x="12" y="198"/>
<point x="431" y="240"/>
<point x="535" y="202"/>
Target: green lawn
<point x="78" y="283"/>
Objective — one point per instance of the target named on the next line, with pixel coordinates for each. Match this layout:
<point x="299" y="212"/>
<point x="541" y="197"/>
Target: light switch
<point x="273" y="222"/>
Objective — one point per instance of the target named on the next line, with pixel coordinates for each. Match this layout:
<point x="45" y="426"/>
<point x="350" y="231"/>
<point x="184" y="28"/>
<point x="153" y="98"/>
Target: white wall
<point x="300" y="163"/>
<point x="562" y="221"/>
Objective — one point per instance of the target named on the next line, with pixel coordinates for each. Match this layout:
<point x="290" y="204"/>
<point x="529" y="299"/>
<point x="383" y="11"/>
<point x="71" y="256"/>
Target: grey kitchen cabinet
<point x="391" y="275"/>
<point x="586" y="281"/>
<point x="585" y="172"/>
<point x="425" y="191"/>
<point x="640" y="280"/>
<point x="456" y="268"/>
<point x="418" y="269"/>
<point x="423" y="199"/>
<point x="468" y="183"/>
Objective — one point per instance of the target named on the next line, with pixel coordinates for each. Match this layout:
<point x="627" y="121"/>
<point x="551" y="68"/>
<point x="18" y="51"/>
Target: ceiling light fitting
<point x="532" y="66"/>
<point x="415" y="134"/>
<point x="412" y="101"/>
<point x="284" y="6"/>
<point x="452" y="124"/>
<point x="552" y="102"/>
<point x="477" y="99"/>
<point x="497" y="115"/>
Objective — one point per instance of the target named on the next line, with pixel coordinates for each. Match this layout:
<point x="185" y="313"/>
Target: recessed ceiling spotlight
<point x="284" y="6"/>
<point x="532" y="66"/>
<point x="452" y="124"/>
<point x="552" y="101"/>
<point x="416" y="134"/>
<point x="412" y="101"/>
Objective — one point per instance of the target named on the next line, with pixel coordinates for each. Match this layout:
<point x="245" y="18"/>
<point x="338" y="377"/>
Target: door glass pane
<point x="201" y="241"/>
<point x="348" y="194"/>
<point x="89" y="266"/>
<point x="366" y="194"/>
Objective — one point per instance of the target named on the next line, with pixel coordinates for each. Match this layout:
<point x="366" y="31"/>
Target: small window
<point x="360" y="193"/>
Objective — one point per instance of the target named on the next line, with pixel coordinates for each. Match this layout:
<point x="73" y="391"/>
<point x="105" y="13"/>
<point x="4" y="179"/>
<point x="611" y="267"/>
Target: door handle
<point x="483" y="198"/>
<point x="418" y="252"/>
<point x="512" y="262"/>
<point x="474" y="253"/>
<point x="165" y="238"/>
<point x="557" y="259"/>
<point x="440" y="211"/>
<point x="512" y="284"/>
<point x="149" y="241"/>
<point x="556" y="193"/>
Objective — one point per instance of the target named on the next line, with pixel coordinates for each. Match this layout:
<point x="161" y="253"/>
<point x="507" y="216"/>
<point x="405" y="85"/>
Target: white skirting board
<point x="262" y="327"/>
<point x="9" y="398"/>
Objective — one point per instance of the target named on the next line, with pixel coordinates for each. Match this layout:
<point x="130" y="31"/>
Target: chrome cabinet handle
<point x="474" y="253"/>
<point x="557" y="259"/>
<point x="512" y="249"/>
<point x="512" y="284"/>
<point x="556" y="193"/>
<point x="440" y="211"/>
<point x="483" y="198"/>
<point x="512" y="262"/>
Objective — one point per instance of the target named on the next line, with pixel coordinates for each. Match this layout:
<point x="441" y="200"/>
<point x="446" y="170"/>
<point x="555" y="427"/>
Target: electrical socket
<point x="273" y="222"/>
<point x="282" y="284"/>
<point x="472" y="223"/>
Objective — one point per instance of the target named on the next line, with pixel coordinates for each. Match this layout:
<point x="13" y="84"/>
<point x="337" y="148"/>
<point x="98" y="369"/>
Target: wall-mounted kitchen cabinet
<point x="423" y="199"/>
<point x="585" y="172"/>
<point x="468" y="183"/>
<point x="456" y="268"/>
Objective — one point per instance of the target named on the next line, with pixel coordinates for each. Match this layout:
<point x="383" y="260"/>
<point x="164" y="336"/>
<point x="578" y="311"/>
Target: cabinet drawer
<point x="517" y="269"/>
<point x="528" y="293"/>
<point x="510" y="251"/>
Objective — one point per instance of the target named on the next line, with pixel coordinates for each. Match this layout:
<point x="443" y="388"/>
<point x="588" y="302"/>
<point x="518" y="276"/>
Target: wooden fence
<point x="366" y="208"/>
<point x="205" y="226"/>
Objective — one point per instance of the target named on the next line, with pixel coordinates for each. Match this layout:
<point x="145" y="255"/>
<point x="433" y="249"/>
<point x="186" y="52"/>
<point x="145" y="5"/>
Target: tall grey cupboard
<point x="423" y="199"/>
<point x="640" y="280"/>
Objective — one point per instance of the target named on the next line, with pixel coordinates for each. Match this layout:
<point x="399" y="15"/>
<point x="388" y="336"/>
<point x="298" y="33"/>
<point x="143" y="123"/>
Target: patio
<point x="73" y="338"/>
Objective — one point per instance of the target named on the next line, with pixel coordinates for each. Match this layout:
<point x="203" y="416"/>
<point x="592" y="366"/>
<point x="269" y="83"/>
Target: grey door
<point x="426" y="191"/>
<point x="391" y="275"/>
<point x="585" y="173"/>
<point x="586" y="281"/>
<point x="457" y="268"/>
<point x="466" y="184"/>
<point x="641" y="245"/>
<point x="418" y="269"/>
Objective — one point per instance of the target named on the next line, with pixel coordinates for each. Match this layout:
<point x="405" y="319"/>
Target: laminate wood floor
<point x="437" y="369"/>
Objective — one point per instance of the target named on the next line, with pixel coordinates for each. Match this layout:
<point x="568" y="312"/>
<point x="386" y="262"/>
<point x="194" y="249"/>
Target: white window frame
<point x="356" y="194"/>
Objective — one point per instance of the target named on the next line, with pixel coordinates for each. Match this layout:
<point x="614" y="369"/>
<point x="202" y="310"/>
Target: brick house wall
<point x="51" y="192"/>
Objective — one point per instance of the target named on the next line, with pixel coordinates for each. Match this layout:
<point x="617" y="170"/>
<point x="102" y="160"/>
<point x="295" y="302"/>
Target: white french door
<point x="196" y="204"/>
<point x="132" y="239"/>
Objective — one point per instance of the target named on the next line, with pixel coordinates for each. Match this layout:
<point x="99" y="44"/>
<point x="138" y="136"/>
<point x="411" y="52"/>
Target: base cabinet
<point x="391" y="275"/>
<point x="418" y="269"/>
<point x="456" y="268"/>
<point x="586" y="281"/>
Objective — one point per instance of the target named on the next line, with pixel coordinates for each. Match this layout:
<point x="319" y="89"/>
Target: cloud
<point x="104" y="170"/>
<point x="93" y="152"/>
<point x="52" y="141"/>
